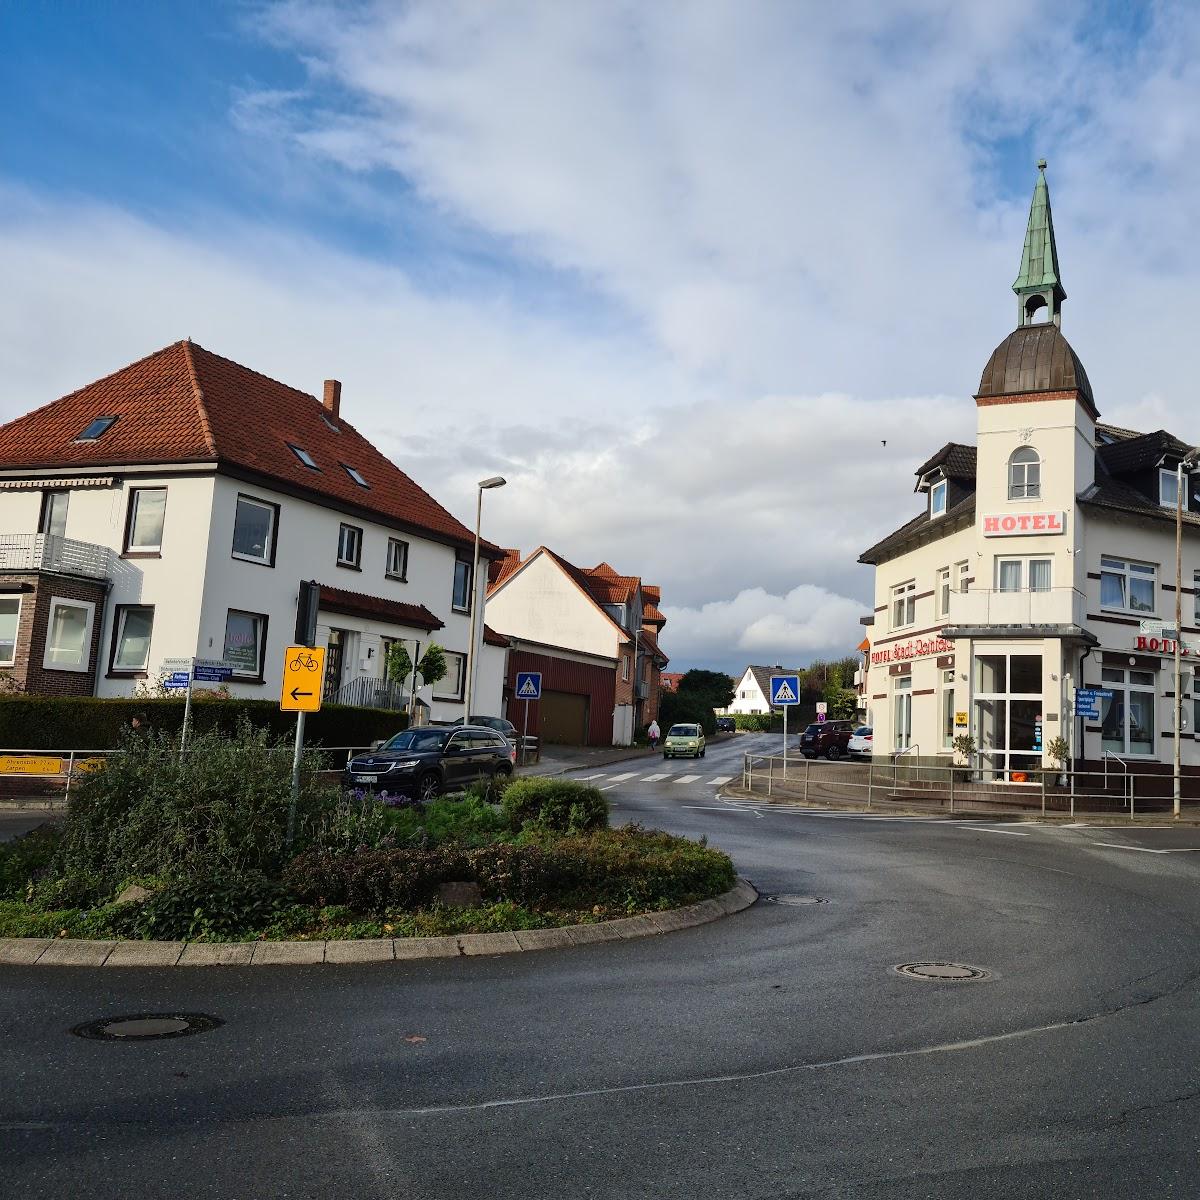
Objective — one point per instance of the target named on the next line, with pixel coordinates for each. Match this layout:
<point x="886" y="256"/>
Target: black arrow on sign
<point x="296" y="693"/>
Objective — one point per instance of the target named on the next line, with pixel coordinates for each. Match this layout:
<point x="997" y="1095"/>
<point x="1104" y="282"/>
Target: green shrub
<point x="215" y="906"/>
<point x="26" y="859"/>
<point x="221" y="807"/>
<point x="753" y="722"/>
<point x="89" y="723"/>
<point x="555" y="804"/>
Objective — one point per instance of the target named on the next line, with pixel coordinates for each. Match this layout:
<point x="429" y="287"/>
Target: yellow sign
<point x="303" y="677"/>
<point x="960" y="718"/>
<point x="21" y="764"/>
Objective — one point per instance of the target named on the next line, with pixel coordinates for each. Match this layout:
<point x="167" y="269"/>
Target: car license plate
<point x="366" y="779"/>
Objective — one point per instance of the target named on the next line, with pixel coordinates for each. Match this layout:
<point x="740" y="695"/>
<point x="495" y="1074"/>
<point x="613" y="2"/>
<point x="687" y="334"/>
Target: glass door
<point x="1008" y="715"/>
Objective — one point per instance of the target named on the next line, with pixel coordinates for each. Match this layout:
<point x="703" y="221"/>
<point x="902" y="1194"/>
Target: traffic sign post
<point x="300" y="692"/>
<point x="1087" y="702"/>
<point x="785" y="691"/>
<point x="822" y="712"/>
<point x="529" y="687"/>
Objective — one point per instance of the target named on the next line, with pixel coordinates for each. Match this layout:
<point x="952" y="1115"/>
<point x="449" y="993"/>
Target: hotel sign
<point x="1023" y="524"/>
<point x="913" y="648"/>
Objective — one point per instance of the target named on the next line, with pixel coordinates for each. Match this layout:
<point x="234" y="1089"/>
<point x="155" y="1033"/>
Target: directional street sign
<point x="785" y="689"/>
<point x="1087" y="702"/>
<point x="204" y="673"/>
<point x="303" y="676"/>
<point x="175" y="681"/>
<point x="529" y="685"/>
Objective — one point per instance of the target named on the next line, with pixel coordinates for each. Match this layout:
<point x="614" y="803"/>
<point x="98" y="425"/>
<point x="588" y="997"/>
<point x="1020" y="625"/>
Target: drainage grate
<point x="797" y="900"/>
<point x="142" y="1027"/>
<point x="941" y="972"/>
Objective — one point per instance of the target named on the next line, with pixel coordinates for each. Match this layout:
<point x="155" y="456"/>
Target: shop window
<point x="902" y="726"/>
<point x="1128" y="718"/>
<point x="1008" y="714"/>
<point x="245" y="642"/>
<point x="904" y="604"/>
<point x="254" y="527"/>
<point x="937" y="499"/>
<point x="133" y="625"/>
<point x="144" y="522"/>
<point x="69" y="635"/>
<point x="1127" y="586"/>
<point x="1024" y="474"/>
<point x="10" y="620"/>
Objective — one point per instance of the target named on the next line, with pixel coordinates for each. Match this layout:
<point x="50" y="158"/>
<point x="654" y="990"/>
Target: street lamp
<point x="1186" y="461"/>
<point x="494" y="481"/>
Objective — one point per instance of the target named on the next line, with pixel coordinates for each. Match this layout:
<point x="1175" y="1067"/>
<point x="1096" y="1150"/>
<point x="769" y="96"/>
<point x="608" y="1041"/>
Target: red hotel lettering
<point x="1165" y="645"/>
<point x="914" y="648"/>
<point x="1023" y="523"/>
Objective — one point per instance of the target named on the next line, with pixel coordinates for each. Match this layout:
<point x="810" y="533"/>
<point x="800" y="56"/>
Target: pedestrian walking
<point x="654" y="733"/>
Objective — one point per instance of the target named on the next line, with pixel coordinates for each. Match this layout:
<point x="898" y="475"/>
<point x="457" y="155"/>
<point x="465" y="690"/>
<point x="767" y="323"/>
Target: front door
<point x="333" y="664"/>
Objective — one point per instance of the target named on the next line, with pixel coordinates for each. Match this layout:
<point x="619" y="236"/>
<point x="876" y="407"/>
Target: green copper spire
<point x="1038" y="284"/>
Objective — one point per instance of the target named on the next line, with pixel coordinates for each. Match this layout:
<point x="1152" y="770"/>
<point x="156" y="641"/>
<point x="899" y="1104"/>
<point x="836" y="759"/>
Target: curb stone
<point x="76" y="952"/>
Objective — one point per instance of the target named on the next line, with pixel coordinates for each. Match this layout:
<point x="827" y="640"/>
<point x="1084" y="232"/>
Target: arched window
<point x="1024" y="474"/>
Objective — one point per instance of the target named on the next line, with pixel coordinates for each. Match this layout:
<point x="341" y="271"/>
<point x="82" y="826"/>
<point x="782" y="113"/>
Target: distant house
<point x="592" y="633"/>
<point x="752" y="693"/>
<point x="670" y="680"/>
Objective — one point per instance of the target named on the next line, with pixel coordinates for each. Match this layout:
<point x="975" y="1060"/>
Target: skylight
<point x="304" y="456"/>
<point x="355" y="476"/>
<point x="95" y="428"/>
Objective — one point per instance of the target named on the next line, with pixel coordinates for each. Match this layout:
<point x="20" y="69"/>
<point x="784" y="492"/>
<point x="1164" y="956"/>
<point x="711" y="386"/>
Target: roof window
<point x="96" y="428"/>
<point x="362" y="483"/>
<point x="304" y="456"/>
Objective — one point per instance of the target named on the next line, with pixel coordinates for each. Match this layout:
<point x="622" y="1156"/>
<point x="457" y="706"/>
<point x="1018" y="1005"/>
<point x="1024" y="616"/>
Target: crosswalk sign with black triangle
<point x="784" y="689"/>
<point x="529" y="686"/>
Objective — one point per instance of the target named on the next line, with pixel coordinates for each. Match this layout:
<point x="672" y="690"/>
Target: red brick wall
<point x="28" y="672"/>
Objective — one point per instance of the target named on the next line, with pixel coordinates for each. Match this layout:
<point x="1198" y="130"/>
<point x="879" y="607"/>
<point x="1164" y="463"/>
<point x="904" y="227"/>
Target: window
<point x="53" y="520"/>
<point x="452" y="685"/>
<point x="1196" y="596"/>
<point x="96" y="428"/>
<point x="904" y="604"/>
<point x="304" y="456"/>
<point x="1008" y="714"/>
<point x="1127" y="719"/>
<point x="903" y="703"/>
<point x="245" y="642"/>
<point x="625" y="672"/>
<point x="397" y="559"/>
<point x="356" y="476"/>
<point x="943" y="591"/>
<point x="937" y="498"/>
<point x="962" y="571"/>
<point x="1168" y="488"/>
<point x="349" y="546"/>
<point x="1024" y="474"/>
<point x="1128" y="586"/>
<point x="133" y="625"/>
<point x="947" y="710"/>
<point x="461" y="600"/>
<point x="10" y="618"/>
<point x="144" y="525"/>
<point x="254" y="525"/>
<point x="69" y="635"/>
<point x="1021" y="574"/>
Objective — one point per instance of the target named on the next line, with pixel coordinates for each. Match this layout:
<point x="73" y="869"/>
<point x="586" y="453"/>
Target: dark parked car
<point x="501" y="725"/>
<point x="828" y="739"/>
<point x="423" y="762"/>
<point x="726" y="725"/>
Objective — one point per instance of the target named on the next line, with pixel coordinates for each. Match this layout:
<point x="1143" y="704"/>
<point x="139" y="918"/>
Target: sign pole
<point x="187" y="705"/>
<point x="525" y="736"/>
<point x="295" y="796"/>
<point x="785" y="713"/>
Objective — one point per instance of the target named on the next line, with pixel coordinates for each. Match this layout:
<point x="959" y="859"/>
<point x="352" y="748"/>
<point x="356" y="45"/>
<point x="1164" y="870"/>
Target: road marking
<point x="687" y="778"/>
<point x="1148" y="850"/>
<point x="1009" y="832"/>
<point x="718" y="780"/>
<point x="626" y="775"/>
<point x="714" y="808"/>
<point x="609" y="788"/>
<point x="654" y="778"/>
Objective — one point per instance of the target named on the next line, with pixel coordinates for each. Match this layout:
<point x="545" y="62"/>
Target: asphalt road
<point x="773" y="1054"/>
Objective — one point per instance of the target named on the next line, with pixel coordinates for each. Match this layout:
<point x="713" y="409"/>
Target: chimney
<point x="333" y="396"/>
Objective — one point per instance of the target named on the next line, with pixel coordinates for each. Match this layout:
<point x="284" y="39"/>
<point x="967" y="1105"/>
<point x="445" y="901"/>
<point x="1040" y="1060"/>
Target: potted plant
<point x="1058" y="750"/>
<point x="964" y="748"/>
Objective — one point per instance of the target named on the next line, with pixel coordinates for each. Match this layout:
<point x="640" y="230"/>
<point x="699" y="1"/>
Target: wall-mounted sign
<point x="913" y="648"/>
<point x="1165" y="645"/>
<point x="960" y="720"/>
<point x="1023" y="524"/>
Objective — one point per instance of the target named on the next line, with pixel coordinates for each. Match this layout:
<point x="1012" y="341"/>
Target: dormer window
<point x="1024" y="474"/>
<point x="362" y="483"/>
<point x="1168" y="488"/>
<point x="304" y="456"/>
<point x="96" y="428"/>
<point x="937" y="499"/>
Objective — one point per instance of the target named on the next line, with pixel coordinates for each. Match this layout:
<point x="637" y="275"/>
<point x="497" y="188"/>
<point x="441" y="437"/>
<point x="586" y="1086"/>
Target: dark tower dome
<point x="1035" y="358"/>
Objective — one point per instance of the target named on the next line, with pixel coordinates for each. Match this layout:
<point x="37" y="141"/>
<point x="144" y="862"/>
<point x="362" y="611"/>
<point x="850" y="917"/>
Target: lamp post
<point x="1186" y="461"/>
<point x="493" y="481"/>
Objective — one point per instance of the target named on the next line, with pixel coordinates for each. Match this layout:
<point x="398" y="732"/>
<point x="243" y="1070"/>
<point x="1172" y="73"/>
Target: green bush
<point x="753" y="722"/>
<point x="222" y="806"/>
<point x="562" y="805"/>
<point x="215" y="906"/>
<point x="89" y="723"/>
<point x="687" y="708"/>
<point x="25" y="860"/>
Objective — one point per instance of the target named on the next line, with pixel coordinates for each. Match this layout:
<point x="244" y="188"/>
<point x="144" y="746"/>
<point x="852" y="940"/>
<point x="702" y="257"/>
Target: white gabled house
<point x="173" y="508"/>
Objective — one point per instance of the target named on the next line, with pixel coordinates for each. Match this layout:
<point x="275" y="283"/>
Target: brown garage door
<point x="564" y="718"/>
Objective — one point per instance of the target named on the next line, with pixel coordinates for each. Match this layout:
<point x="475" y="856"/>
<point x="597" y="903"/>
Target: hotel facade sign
<point x="1023" y="524"/>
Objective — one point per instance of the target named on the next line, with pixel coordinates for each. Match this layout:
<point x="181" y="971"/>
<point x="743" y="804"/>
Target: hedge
<point x="90" y="723"/>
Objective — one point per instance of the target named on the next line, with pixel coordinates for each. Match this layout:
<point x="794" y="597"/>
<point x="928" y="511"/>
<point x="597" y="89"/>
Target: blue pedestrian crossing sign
<point x="785" y="689"/>
<point x="529" y="685"/>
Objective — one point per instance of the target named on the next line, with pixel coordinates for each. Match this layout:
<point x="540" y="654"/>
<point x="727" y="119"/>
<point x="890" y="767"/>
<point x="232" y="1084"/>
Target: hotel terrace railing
<point x="1054" y="606"/>
<point x="45" y="552"/>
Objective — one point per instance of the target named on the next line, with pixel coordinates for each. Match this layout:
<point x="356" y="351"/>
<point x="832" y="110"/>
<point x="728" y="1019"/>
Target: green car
<point x="684" y="741"/>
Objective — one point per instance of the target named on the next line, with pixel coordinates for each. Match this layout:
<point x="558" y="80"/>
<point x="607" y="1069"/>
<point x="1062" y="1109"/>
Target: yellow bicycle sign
<point x="303" y="677"/>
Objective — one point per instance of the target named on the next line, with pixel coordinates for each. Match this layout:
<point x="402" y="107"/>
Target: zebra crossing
<point x="610" y="779"/>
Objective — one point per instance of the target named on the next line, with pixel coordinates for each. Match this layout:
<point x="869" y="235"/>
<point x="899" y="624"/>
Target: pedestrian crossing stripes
<point x="654" y="777"/>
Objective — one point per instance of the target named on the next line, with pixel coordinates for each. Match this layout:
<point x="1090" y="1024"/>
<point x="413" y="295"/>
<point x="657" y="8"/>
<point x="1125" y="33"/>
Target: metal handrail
<point x="1104" y="757"/>
<point x="907" y="750"/>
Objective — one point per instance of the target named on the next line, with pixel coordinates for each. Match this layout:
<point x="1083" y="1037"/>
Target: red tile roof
<point x="500" y="569"/>
<point x="652" y="616"/>
<point x="186" y="404"/>
<point x="359" y="604"/>
<point x="492" y="638"/>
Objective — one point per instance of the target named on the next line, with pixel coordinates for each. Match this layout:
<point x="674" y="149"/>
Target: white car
<point x="861" y="743"/>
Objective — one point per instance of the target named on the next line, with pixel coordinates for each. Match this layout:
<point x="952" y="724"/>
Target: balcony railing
<point x="1055" y="606"/>
<point x="365" y="692"/>
<point x="45" y="552"/>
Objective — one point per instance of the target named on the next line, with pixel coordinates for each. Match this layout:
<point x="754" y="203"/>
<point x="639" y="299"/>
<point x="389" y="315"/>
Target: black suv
<point x="422" y="762"/>
<point x="828" y="738"/>
<point x="726" y="725"/>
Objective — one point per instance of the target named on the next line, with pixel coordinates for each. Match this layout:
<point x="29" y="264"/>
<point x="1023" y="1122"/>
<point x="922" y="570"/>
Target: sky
<point x="705" y="282"/>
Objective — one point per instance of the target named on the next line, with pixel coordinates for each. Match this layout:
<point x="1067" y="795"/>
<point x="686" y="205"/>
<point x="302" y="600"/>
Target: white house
<point x="173" y="508"/>
<point x="753" y="692"/>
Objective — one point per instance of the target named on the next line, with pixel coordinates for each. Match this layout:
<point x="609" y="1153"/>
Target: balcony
<point x="45" y="552"/>
<point x="1057" y="606"/>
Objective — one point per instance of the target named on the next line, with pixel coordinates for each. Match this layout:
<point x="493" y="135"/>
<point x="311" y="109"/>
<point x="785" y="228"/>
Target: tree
<point x="712" y="686"/>
<point x="842" y="701"/>
<point x="399" y="662"/>
<point x="432" y="667"/>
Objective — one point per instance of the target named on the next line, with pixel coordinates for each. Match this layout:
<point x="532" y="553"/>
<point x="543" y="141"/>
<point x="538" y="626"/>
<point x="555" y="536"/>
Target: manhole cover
<point x="941" y="972"/>
<point x="143" y="1027"/>
<point x="797" y="900"/>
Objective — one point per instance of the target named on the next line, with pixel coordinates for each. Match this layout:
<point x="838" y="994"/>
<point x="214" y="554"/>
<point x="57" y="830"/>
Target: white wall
<point x="753" y="701"/>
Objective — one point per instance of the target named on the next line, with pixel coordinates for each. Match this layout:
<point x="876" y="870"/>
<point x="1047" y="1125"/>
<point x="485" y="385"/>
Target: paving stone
<point x="22" y="951"/>
<point x="70" y="952"/>
<point x="216" y="954"/>
<point x="145" y="954"/>
<point x="359" y="950"/>
<point x="488" y="943"/>
<point x="430" y="947"/>
<point x="272" y="954"/>
<point x="543" y="939"/>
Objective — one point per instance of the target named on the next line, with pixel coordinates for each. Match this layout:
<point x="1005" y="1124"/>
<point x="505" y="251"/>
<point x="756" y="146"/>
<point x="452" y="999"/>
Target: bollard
<point x="1043" y="791"/>
<point x="806" y="769"/>
<point x="770" y="772"/>
<point x="951" y="770"/>
<point x="870" y="773"/>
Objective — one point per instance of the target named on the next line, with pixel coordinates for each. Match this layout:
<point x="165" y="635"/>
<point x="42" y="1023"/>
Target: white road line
<point x="686" y="778"/>
<point x="718" y="780"/>
<point x="1009" y="832"/>
<point x="713" y="808"/>
<point x="626" y="775"/>
<point x="654" y="778"/>
<point x="609" y="788"/>
<point x="1148" y="850"/>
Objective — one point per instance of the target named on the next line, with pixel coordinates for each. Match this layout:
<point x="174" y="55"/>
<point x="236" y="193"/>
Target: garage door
<point x="564" y="718"/>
